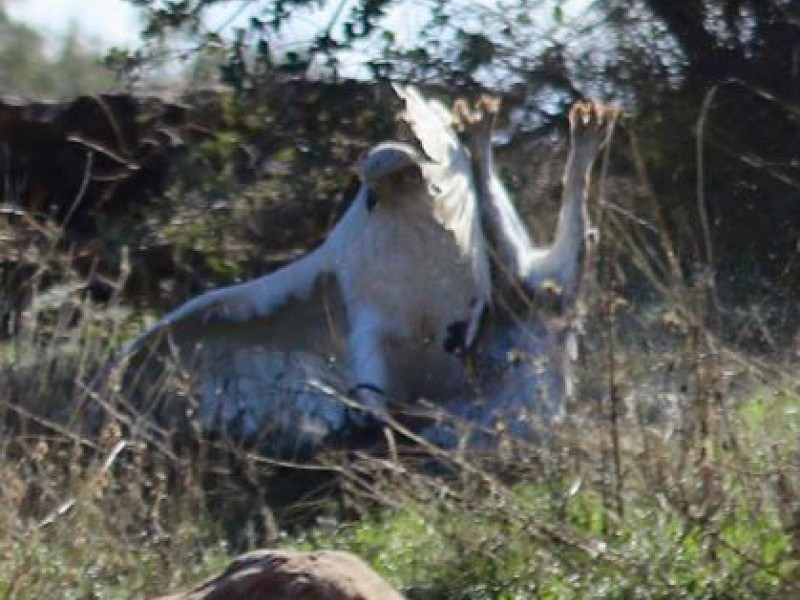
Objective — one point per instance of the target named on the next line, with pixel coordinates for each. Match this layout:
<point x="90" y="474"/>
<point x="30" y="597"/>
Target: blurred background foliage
<point x="711" y="79"/>
<point x="33" y="65"/>
<point x="713" y="87"/>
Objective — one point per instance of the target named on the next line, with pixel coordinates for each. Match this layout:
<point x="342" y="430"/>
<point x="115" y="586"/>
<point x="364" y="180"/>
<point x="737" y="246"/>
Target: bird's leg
<point x="501" y="223"/>
<point x="368" y="364"/>
<point x="556" y="270"/>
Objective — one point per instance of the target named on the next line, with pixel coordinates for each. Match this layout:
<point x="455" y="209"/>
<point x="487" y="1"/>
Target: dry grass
<point x="675" y="476"/>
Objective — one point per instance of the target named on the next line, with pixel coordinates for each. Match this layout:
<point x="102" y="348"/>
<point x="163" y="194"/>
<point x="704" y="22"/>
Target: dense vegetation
<point x="712" y="82"/>
<point x="675" y="475"/>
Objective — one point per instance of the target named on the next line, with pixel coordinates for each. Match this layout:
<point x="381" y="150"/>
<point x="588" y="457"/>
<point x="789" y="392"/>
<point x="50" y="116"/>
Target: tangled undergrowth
<point x="675" y="475"/>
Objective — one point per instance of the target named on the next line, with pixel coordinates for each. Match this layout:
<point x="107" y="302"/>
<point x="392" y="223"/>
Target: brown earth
<point x="287" y="575"/>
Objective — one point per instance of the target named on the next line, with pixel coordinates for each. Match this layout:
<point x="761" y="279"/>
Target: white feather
<point x="370" y="307"/>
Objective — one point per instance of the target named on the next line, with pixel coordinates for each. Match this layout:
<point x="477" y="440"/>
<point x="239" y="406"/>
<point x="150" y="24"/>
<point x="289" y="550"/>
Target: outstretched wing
<point x="431" y="124"/>
<point x="273" y="355"/>
<point x="450" y="179"/>
<point x="250" y="305"/>
<point x="267" y="357"/>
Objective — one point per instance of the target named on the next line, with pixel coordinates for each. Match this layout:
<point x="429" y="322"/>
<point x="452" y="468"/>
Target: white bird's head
<point x="391" y="170"/>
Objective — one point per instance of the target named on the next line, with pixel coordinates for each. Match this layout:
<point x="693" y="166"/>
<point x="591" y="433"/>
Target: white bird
<point x="519" y="359"/>
<point x="373" y="310"/>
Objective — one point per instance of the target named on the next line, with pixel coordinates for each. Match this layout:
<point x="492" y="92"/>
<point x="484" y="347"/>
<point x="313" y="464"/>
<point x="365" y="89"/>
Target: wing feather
<point x="450" y="178"/>
<point x="277" y="341"/>
<point x="268" y="356"/>
<point x="247" y="303"/>
<point x="431" y="123"/>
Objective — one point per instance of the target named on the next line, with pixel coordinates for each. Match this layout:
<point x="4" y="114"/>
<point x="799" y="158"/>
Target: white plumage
<point x="402" y="281"/>
<point x="520" y="358"/>
<point x="369" y="310"/>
